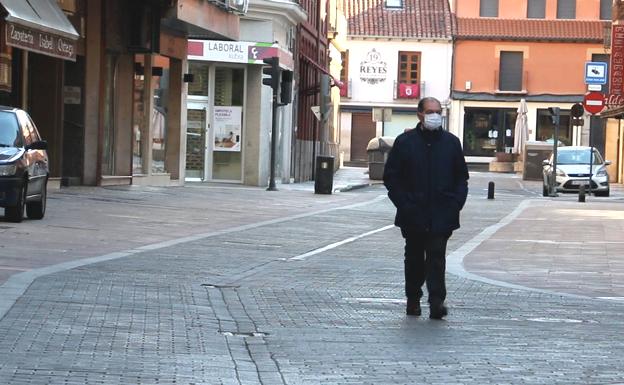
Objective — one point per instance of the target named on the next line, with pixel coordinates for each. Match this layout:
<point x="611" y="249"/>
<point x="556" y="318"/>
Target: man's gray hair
<point x="421" y="103"/>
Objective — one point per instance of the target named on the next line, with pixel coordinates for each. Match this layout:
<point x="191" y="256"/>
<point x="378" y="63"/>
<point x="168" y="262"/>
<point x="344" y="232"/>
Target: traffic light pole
<point x="553" y="176"/>
<point x="273" y="143"/>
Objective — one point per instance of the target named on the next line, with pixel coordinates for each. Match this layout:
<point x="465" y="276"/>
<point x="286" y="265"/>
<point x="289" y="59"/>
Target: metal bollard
<point x="491" y="190"/>
<point x="581" y="197"/>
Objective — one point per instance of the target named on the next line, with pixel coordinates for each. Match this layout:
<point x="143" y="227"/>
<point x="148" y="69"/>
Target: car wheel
<point x="16" y="213"/>
<point x="36" y="210"/>
<point x="602" y="193"/>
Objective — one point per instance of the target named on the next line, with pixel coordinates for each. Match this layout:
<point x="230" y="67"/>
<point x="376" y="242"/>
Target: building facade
<point x="506" y="51"/>
<point x="230" y="110"/>
<point x="397" y="52"/>
<point x="113" y="110"/>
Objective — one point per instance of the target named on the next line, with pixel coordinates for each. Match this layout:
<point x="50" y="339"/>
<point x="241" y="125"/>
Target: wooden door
<point x="363" y="129"/>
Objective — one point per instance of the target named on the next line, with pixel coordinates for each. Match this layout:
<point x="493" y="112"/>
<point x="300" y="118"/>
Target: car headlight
<point x="602" y="172"/>
<point x="560" y="172"/>
<point x="8" y="169"/>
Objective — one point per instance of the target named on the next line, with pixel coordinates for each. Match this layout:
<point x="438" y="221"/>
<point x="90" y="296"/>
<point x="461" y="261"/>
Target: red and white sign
<point x="594" y="102"/>
<point x="409" y="91"/>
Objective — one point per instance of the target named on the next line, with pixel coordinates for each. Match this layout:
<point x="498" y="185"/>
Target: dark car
<point x="23" y="166"/>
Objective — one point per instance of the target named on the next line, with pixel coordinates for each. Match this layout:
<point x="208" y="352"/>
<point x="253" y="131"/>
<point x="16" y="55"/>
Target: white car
<point x="573" y="171"/>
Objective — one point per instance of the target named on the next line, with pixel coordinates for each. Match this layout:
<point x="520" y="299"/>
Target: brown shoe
<point x="413" y="307"/>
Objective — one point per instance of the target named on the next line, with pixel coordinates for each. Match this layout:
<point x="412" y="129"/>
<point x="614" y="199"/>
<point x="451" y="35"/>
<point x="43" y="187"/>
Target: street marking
<point x="16" y="285"/>
<point x="339" y="243"/>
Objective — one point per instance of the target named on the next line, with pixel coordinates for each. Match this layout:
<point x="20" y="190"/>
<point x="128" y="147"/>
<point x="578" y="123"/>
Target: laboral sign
<point x="238" y="52"/>
<point x="373" y="69"/>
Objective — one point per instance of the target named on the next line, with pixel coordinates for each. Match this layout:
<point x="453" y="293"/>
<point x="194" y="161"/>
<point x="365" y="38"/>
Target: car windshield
<point x="9" y="130"/>
<point x="577" y="157"/>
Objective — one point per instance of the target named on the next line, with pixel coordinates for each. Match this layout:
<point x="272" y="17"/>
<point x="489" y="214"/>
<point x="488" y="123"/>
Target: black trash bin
<point x="324" y="176"/>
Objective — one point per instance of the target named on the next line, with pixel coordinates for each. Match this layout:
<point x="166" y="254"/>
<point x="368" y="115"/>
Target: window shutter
<point x="605" y="9"/>
<point x="488" y="8"/>
<point x="510" y="71"/>
<point x="536" y="9"/>
<point x="566" y="9"/>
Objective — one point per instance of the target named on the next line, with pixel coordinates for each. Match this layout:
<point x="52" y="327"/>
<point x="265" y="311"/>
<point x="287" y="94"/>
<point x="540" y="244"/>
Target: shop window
<point x="488" y="131"/>
<point x="510" y="71"/>
<point x="409" y="75"/>
<point x="536" y="9"/>
<point x="138" y="115"/>
<point x="566" y="9"/>
<point x="605" y="9"/>
<point x="344" y="74"/>
<point x="488" y="8"/>
<point x="160" y="82"/>
<point x="199" y="86"/>
<point x="229" y="90"/>
<point x="545" y="130"/>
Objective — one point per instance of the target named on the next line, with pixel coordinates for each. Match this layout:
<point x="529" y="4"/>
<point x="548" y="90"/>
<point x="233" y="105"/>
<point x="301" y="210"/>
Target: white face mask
<point x="432" y="121"/>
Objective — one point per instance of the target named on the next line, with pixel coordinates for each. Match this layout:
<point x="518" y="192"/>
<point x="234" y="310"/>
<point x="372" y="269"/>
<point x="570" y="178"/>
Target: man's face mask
<point x="432" y="121"/>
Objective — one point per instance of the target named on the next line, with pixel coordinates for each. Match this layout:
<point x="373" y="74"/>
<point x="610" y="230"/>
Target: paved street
<point x="213" y="284"/>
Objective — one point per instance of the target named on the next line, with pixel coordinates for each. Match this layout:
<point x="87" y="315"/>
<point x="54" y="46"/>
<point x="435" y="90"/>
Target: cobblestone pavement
<point x="317" y="298"/>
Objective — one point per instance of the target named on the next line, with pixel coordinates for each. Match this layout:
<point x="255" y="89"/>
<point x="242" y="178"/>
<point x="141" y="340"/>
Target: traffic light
<point x="286" y="88"/>
<point x="273" y="70"/>
<point x="554" y="115"/>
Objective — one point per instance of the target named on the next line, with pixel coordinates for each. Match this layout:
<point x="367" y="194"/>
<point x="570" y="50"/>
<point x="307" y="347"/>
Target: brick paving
<point x="256" y="305"/>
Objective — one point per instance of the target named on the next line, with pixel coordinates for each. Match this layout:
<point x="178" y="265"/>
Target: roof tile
<point x="530" y="29"/>
<point x="417" y="19"/>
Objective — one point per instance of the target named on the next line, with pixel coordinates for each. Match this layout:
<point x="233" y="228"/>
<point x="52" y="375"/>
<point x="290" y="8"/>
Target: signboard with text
<point x="616" y="78"/>
<point x="41" y="42"/>
<point x="238" y="52"/>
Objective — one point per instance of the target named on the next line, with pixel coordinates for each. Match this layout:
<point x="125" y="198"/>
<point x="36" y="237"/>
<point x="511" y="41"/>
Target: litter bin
<point x="324" y="175"/>
<point x="534" y="153"/>
<point x="378" y="149"/>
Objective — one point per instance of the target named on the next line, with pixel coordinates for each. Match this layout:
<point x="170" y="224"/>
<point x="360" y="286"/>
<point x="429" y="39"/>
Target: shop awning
<point x="40" y="26"/>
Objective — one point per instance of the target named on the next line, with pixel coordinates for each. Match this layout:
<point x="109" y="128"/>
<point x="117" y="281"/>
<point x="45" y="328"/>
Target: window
<point x="394" y="3"/>
<point x="409" y="75"/>
<point x="605" y="9"/>
<point x="409" y="67"/>
<point x="536" y="9"/>
<point x="488" y="8"/>
<point x="566" y="9"/>
<point x="545" y="129"/>
<point x="510" y="78"/>
<point x="488" y="130"/>
<point x="344" y="73"/>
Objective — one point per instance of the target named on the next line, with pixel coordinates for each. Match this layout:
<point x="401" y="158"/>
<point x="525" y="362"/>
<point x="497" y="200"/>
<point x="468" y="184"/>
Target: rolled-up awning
<point x="40" y="26"/>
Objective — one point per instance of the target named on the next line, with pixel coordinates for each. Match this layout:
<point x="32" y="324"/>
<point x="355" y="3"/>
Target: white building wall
<point x="435" y="70"/>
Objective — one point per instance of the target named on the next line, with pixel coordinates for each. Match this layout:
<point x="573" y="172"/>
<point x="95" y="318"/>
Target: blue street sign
<point x="595" y="73"/>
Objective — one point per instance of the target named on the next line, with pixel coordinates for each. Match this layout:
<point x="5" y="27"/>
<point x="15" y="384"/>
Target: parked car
<point x="573" y="170"/>
<point x="23" y="166"/>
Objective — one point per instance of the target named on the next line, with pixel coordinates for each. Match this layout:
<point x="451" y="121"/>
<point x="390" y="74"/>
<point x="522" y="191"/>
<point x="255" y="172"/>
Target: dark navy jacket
<point x="427" y="180"/>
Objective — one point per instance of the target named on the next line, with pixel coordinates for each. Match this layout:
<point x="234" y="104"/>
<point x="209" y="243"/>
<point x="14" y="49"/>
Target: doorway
<point x="363" y="129"/>
<point x="215" y="127"/>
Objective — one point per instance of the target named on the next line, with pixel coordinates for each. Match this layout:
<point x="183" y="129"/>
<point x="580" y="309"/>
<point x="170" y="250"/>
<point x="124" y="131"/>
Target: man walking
<point x="427" y="180"/>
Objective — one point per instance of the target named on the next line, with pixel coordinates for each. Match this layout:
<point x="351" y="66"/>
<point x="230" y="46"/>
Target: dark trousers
<point x="425" y="261"/>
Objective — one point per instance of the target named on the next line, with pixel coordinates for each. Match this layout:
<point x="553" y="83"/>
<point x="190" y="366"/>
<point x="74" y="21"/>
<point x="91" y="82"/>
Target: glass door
<point x="196" y="130"/>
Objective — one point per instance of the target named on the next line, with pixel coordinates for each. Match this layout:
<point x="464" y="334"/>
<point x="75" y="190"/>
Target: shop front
<point x="38" y="45"/>
<point x="229" y="111"/>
